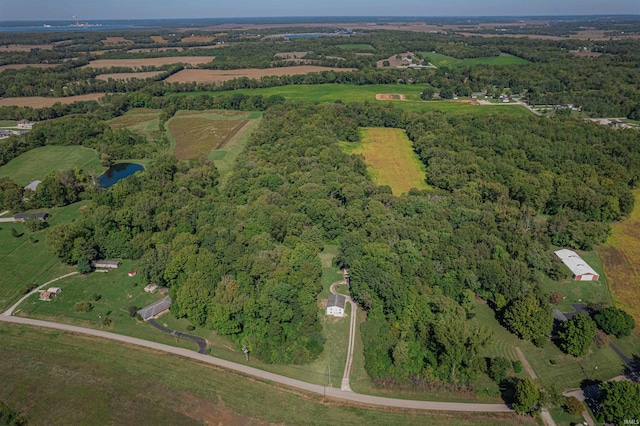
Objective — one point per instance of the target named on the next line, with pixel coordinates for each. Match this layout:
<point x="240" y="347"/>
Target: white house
<point x="579" y="268"/>
<point x="25" y="124"/>
<point x="335" y="305"/>
<point x="107" y="264"/>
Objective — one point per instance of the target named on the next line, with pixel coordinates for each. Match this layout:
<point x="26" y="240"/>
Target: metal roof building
<point x="580" y="269"/>
<point x="335" y="305"/>
<point x="156" y="308"/>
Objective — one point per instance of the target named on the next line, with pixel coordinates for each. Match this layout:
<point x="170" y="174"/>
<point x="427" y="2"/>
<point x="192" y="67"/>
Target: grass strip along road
<point x="317" y="389"/>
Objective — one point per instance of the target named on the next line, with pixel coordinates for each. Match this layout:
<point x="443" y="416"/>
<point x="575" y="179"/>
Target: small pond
<point x="117" y="172"/>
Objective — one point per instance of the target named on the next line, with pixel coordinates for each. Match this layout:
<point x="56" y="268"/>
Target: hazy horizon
<point x="62" y="10"/>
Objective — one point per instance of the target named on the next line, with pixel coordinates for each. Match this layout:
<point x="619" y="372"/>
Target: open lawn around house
<point x="562" y="418"/>
<point x="121" y="384"/>
<point x="448" y="61"/>
<point x="38" y="162"/>
<point x="390" y="154"/>
<point x="42" y="102"/>
<point x="25" y="261"/>
<point x="140" y="120"/>
<point x="549" y="363"/>
<point x="581" y="291"/>
<point x="8" y="123"/>
<point x="621" y="258"/>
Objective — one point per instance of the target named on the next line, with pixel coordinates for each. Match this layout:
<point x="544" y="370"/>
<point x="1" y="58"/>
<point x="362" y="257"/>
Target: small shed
<point x="579" y="268"/>
<point x="151" y="288"/>
<point x="46" y="296"/>
<point x="132" y="273"/>
<point x="54" y="290"/>
<point x="106" y="264"/>
<point x="33" y="185"/>
<point x="21" y="217"/>
<point x="335" y="305"/>
<point x="155" y="309"/>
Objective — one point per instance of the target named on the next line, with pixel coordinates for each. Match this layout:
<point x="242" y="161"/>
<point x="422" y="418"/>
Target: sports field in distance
<point x="38" y="162"/>
<point x="197" y="133"/>
<point x="621" y="259"/>
<point x="448" y="61"/>
<point x="391" y="158"/>
<point x="139" y="120"/>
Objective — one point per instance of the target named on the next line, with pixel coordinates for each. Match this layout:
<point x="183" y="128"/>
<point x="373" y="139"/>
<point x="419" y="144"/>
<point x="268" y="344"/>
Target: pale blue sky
<point x="141" y="9"/>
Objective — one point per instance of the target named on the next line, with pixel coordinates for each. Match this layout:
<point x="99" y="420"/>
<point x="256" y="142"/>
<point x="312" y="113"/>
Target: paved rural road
<point x="202" y="344"/>
<point x="298" y="384"/>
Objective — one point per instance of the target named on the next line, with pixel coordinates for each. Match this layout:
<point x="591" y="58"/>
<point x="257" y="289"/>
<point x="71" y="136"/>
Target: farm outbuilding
<point x="155" y="309"/>
<point x="132" y="273"/>
<point x="21" y="217"/>
<point x="46" y="296"/>
<point x="335" y="305"/>
<point x="106" y="264"/>
<point x="579" y="268"/>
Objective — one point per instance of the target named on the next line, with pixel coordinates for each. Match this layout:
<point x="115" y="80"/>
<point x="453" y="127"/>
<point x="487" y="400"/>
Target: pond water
<point x="117" y="172"/>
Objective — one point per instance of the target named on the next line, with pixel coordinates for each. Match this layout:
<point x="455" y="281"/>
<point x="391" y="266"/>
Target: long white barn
<point x="580" y="269"/>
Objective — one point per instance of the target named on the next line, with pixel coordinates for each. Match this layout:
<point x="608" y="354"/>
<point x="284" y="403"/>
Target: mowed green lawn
<point x="353" y="93"/>
<point x="38" y="162"/>
<point x="566" y="373"/>
<point x="111" y="383"/>
<point x="8" y="123"/>
<point x="391" y="158"/>
<point x="25" y="261"/>
<point x="448" y="61"/>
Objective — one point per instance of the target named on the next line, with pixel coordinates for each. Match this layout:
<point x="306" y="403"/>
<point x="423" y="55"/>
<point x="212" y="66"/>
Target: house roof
<point x="33" y="185"/>
<point x="36" y="215"/>
<point x="559" y="316"/>
<point x="155" y="308"/>
<point x="575" y="263"/>
<point x="106" y="262"/>
<point x="336" y="300"/>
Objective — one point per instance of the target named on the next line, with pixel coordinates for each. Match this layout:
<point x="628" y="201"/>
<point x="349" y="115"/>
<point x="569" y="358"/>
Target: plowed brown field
<point x="211" y="76"/>
<point x="138" y="63"/>
<point x="41" y="102"/>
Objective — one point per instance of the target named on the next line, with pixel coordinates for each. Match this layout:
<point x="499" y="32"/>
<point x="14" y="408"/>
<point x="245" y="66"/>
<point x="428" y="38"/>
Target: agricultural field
<point x="25" y="47"/>
<point x="25" y="261"/>
<point x="21" y="66"/>
<point x="621" y="259"/>
<point x="38" y="162"/>
<point x="139" y="120"/>
<point x="148" y="62"/>
<point x="225" y="158"/>
<point x="116" y="40"/>
<point x="111" y="381"/>
<point x="159" y="39"/>
<point x="42" y="102"/>
<point x="390" y="154"/>
<point x="197" y="133"/>
<point x="219" y="76"/>
<point x="197" y="39"/>
<point x="447" y="61"/>
<point x="128" y="75"/>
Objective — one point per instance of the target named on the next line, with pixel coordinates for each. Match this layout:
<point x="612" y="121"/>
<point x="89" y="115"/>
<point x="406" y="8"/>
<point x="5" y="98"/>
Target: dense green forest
<point x="242" y="258"/>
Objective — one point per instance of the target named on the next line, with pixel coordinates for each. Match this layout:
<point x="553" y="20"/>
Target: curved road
<point x="298" y="384"/>
<point x="202" y="344"/>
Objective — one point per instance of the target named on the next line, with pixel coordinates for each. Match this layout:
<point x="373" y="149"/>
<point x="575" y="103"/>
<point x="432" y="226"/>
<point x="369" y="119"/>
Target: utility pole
<point x="246" y="352"/>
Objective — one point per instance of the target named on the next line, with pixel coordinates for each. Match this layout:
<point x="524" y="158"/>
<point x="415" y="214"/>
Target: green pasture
<point x="38" y="162"/>
<point x="8" y="123"/>
<point x="25" y="262"/>
<point x="448" y="61"/>
<point x="123" y="384"/>
<point x="567" y="372"/>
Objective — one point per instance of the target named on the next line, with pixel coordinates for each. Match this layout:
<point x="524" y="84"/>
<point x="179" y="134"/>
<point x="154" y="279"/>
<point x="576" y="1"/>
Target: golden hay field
<point x="25" y="47"/>
<point x="138" y="63"/>
<point x="621" y="259"/>
<point x="159" y="39"/>
<point x="143" y="121"/>
<point x="211" y="76"/>
<point x="128" y="75"/>
<point x="21" y="66"/>
<point x="391" y="158"/>
<point x="197" y="135"/>
<point x="116" y="40"/>
<point x="41" y="102"/>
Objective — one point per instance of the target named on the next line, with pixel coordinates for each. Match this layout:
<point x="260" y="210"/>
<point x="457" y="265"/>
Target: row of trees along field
<point x="242" y="258"/>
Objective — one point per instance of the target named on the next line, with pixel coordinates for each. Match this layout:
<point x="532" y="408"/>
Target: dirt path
<point x="352" y="328"/>
<point x="245" y="369"/>
<point x="525" y="363"/>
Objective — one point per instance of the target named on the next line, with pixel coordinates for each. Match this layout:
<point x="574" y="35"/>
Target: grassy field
<point x="38" y="162"/>
<point x="25" y="261"/>
<point x="118" y="384"/>
<point x="353" y="93"/>
<point x="198" y="133"/>
<point x="621" y="258"/>
<point x="8" y="123"/>
<point x="390" y="154"/>
<point x="447" y="61"/>
<point x="225" y="158"/>
<point x="140" y="120"/>
<point x="581" y="291"/>
<point x="567" y="372"/>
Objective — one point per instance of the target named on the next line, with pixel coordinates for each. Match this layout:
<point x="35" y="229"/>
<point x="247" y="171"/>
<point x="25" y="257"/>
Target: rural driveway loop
<point x="298" y="384"/>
